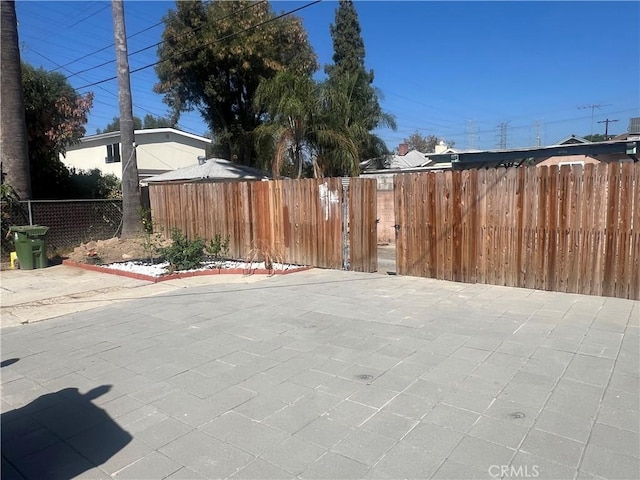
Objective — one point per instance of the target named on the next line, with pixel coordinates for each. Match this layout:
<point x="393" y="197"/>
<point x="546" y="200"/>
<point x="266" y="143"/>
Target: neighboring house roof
<point x="572" y="139"/>
<point x="145" y="131"/>
<point x="412" y="159"/>
<point x="211" y="169"/>
<point x="517" y="156"/>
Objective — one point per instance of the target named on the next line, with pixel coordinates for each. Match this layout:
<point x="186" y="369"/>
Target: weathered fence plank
<point x="291" y="221"/>
<point x="569" y="229"/>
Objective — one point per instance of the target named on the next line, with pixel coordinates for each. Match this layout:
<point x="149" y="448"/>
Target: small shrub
<point x="218" y="249"/>
<point x="183" y="254"/>
<point x="152" y="236"/>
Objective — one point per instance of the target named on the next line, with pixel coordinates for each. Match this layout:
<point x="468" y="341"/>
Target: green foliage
<point x="355" y="102"/>
<point x="218" y="248"/>
<point x="151" y="235"/>
<point x="93" y="184"/>
<point x="183" y="254"/>
<point x="315" y="128"/>
<point x="212" y="59"/>
<point x="292" y="104"/>
<point x="10" y="203"/>
<point x="114" y="125"/>
<point x="424" y="144"/>
<point x="55" y="117"/>
<point x="597" y="137"/>
<point x="150" y="121"/>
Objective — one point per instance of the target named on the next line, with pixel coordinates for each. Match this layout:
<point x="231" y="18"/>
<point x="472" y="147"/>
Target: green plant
<point x="183" y="254"/>
<point x="10" y="206"/>
<point x="151" y="235"/>
<point x="218" y="249"/>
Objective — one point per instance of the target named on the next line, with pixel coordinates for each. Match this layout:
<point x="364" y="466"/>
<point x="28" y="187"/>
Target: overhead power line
<point x="237" y="12"/>
<point x="226" y="37"/>
<point x="104" y="48"/>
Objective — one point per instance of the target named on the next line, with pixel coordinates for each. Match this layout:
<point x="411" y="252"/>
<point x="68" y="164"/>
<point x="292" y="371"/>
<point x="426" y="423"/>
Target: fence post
<point x="30" y="212"/>
<point x="345" y="223"/>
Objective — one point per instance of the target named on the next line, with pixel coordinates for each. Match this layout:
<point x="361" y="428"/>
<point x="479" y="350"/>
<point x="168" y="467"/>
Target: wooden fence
<point x="569" y="229"/>
<point x="306" y="222"/>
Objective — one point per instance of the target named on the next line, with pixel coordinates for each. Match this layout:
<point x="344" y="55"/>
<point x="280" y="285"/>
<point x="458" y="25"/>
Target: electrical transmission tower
<point x="606" y="127"/>
<point x="471" y="135"/>
<point x="503" y="135"/>
<point x="592" y="107"/>
<point x="538" y="125"/>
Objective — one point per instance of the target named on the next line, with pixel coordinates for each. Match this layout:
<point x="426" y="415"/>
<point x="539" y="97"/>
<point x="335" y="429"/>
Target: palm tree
<point x="316" y="124"/>
<point x="291" y="105"/>
<point x="340" y="98"/>
<point x="13" y="130"/>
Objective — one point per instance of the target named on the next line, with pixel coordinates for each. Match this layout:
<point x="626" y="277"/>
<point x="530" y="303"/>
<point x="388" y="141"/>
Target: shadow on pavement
<point x="9" y="361"/>
<point x="59" y="436"/>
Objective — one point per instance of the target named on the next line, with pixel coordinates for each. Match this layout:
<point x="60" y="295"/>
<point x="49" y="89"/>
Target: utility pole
<point x="131" y="198"/>
<point x="592" y="107"/>
<point x="606" y="127"/>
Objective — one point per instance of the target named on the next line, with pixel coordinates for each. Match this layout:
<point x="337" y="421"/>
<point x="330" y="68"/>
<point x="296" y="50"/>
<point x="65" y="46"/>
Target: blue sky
<point x="451" y="69"/>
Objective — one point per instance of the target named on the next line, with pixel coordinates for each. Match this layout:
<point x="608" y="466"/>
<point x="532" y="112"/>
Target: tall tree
<point x="13" y="131"/>
<point x="212" y="58"/>
<point x="131" y="198"/>
<point x="348" y="71"/>
<point x="149" y="121"/>
<point x="341" y="113"/>
<point x="114" y="125"/>
<point x="55" y="117"/>
<point x="292" y="105"/>
<point x="424" y="144"/>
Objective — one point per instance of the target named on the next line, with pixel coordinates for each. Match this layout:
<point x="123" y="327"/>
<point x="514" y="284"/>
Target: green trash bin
<point x="31" y="246"/>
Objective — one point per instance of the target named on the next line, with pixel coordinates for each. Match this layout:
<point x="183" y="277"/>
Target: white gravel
<point x="159" y="269"/>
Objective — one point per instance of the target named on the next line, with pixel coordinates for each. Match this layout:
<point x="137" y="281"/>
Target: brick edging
<point x="175" y="276"/>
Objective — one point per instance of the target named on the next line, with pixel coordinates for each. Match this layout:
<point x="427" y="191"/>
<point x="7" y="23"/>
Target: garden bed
<point x="158" y="272"/>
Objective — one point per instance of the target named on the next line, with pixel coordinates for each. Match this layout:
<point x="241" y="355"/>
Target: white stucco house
<point x="158" y="150"/>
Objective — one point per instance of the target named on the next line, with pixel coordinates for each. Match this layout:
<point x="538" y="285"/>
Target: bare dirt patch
<point x="109" y="251"/>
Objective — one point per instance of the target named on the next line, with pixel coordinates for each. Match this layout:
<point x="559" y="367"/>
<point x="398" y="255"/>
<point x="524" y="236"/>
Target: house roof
<point x="492" y="158"/>
<point x="211" y="169"/>
<point x="412" y="159"/>
<point x="572" y="139"/>
<point x="145" y="131"/>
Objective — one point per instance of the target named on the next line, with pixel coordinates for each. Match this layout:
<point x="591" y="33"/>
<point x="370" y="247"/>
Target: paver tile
<point x="151" y="467"/>
<point x="499" y="431"/>
<point x="364" y="446"/>
<point x="334" y="466"/>
<point x="481" y="454"/>
<point x="608" y="464"/>
<point x="406" y="461"/>
<point x="615" y="439"/>
<point x="433" y="438"/>
<point x="294" y="454"/>
<point x="553" y="447"/>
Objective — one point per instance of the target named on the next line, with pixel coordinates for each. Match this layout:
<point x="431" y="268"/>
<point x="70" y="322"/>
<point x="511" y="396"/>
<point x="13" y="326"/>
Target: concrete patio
<point x="326" y="374"/>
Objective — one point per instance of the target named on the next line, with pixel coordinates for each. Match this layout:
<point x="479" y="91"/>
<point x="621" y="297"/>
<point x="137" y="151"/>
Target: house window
<point x="571" y="164"/>
<point x="113" y="153"/>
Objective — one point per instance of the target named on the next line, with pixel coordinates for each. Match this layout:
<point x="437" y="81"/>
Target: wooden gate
<point x="323" y="222"/>
<point x="570" y="229"/>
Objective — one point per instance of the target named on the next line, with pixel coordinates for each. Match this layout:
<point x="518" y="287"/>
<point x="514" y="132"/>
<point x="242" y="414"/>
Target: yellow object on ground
<point x="14" y="257"/>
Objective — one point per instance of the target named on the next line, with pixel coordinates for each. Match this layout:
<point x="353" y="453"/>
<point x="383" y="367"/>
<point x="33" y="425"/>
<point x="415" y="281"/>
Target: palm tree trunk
<point x="131" y="198"/>
<point x="13" y="128"/>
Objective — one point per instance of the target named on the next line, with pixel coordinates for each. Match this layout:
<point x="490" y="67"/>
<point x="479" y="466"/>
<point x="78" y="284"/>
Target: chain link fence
<point x="70" y="222"/>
